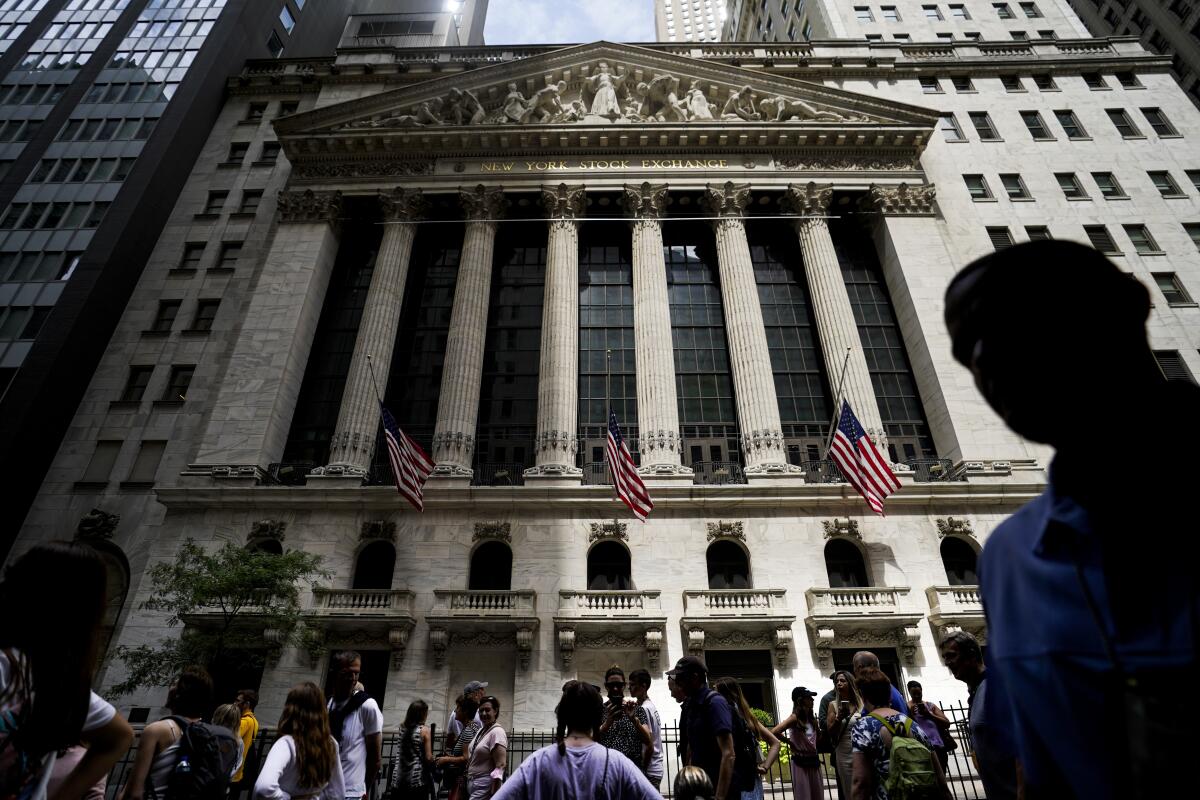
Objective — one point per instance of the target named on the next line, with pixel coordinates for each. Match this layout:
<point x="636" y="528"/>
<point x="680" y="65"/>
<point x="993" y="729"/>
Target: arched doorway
<point x="609" y="568"/>
<point x="728" y="566"/>
<point x="374" y="567"/>
<point x="844" y="563"/>
<point x="960" y="559"/>
<point x="491" y="568"/>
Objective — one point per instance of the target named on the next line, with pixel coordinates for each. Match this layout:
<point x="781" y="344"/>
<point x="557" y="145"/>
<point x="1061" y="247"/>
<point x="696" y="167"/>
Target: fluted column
<point x="836" y="327"/>
<point x="353" y="445"/>
<point x="658" y="404"/>
<point x="558" y="371"/>
<point x="750" y="359"/>
<point x="462" y="372"/>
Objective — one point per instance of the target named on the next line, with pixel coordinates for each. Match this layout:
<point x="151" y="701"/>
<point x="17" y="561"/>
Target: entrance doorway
<point x="753" y="671"/>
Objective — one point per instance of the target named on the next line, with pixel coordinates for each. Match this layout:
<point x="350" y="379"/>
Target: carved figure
<point x="740" y="105"/>
<point x="780" y="109"/>
<point x="573" y="112"/>
<point x="662" y="102"/>
<point x="697" y="104"/>
<point x="635" y="102"/>
<point x="464" y="108"/>
<point x="515" y="105"/>
<point x="429" y="112"/>
<point x="605" y="86"/>
<point x="546" y="104"/>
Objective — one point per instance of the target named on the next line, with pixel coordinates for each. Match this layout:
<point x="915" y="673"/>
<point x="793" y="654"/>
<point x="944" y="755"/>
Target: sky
<point x="559" y="21"/>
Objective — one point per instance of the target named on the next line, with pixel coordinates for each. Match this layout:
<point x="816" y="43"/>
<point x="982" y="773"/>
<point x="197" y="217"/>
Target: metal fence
<point x="963" y="780"/>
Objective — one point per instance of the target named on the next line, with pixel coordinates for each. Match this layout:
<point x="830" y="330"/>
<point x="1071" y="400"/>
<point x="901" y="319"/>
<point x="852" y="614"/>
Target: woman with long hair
<point x="799" y="731"/>
<point x="229" y="716"/>
<point x="731" y="691"/>
<point x="411" y="778"/>
<point x="53" y="598"/>
<point x="189" y="699"/>
<point x="488" y="753"/>
<point x="576" y="765"/>
<point x="843" y="712"/>
<point x="304" y="760"/>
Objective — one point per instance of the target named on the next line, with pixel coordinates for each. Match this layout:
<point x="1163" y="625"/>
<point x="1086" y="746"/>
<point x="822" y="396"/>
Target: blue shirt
<point x="1047" y="668"/>
<point x="706" y="716"/>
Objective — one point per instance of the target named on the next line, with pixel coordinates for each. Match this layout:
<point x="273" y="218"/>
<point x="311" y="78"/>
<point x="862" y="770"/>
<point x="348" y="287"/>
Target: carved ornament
<point x="557" y="443"/>
<point x="646" y="200"/>
<point x="654" y="640"/>
<point x="374" y="168"/>
<point x="902" y="200"/>
<point x="952" y="526"/>
<point x="309" y="206"/>
<point x="383" y="529"/>
<point x="905" y="638"/>
<point x="665" y="441"/>
<point x="500" y="531"/>
<point x="836" y="163"/>
<point x="726" y="530"/>
<point x="402" y="205"/>
<point x="608" y="530"/>
<point x="563" y="202"/>
<point x="843" y="528"/>
<point x="727" y="200"/>
<point x="268" y="529"/>
<point x="809" y="200"/>
<point x="566" y="646"/>
<point x="483" y="203"/>
<point x="398" y="642"/>
<point x="695" y="641"/>
<point x="457" y="443"/>
<point x="96" y="525"/>
<point x="439" y="640"/>
<point x="524" y="646"/>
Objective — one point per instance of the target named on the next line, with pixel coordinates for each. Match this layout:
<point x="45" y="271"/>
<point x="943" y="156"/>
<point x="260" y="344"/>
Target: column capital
<point x="483" y="202"/>
<point x="728" y="199"/>
<point x="309" y="206"/>
<point x="901" y="200"/>
<point x="808" y="200"/>
<point x="402" y="205"/>
<point x="646" y="200"/>
<point x="563" y="201"/>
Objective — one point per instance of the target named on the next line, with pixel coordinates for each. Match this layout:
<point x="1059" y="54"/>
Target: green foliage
<point x="763" y="717"/>
<point x="227" y="599"/>
<point x="768" y="721"/>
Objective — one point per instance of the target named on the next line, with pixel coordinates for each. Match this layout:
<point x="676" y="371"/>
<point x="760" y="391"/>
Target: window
<point x="1037" y="128"/>
<point x="999" y="237"/>
<point x="237" y="152"/>
<point x="930" y="85"/>
<point x="902" y="37"/>
<point x="215" y="203"/>
<point x="192" y="253"/>
<point x="1101" y="239"/>
<point x="230" y="252"/>
<point x="288" y="107"/>
<point x="1169" y="284"/>
<point x="1031" y="10"/>
<point x="1002" y="10"/>
<point x="491" y="568"/>
<point x="608" y="567"/>
<point x="206" y="312"/>
<point x="977" y="187"/>
<point x="1044" y="81"/>
<point x="255" y="112"/>
<point x="177" y="386"/>
<point x="1193" y="175"/>
<point x="844" y="564"/>
<point x="1011" y="83"/>
<point x="145" y="465"/>
<point x="250" y="200"/>
<point x="270" y="152"/>
<point x="136" y="383"/>
<point x="99" y="468"/>
<point x="950" y="129"/>
<point x="1128" y="80"/>
<point x="1172" y="366"/>
<point x="958" y="557"/>
<point x="1143" y="242"/>
<point x="932" y="13"/>
<point x="1165" y="184"/>
<point x="1193" y="231"/>
<point x="1108" y="185"/>
<point x="983" y="126"/>
<point x="890" y="13"/>
<point x="1038" y="233"/>
<point x="95" y="215"/>
<point x="1070" y="124"/>
<point x="274" y="45"/>
<point x="1015" y="187"/>
<point x="1019" y="36"/>
<point x="959" y="11"/>
<point x="289" y="23"/>
<point x="1123" y="123"/>
<point x="1159" y="122"/>
<point x="863" y="14"/>
<point x="374" y="567"/>
<point x="1051" y="35"/>
<point x="728" y="566"/>
<point x="962" y="83"/>
<point x="82" y="170"/>
<point x="164" y="320"/>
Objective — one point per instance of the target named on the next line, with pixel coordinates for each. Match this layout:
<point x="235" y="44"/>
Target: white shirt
<point x="277" y="780"/>
<point x="655" y="767"/>
<point x="366" y="721"/>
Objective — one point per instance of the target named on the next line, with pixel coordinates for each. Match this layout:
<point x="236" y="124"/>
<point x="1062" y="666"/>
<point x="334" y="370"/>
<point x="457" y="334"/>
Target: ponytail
<point x="579" y="709"/>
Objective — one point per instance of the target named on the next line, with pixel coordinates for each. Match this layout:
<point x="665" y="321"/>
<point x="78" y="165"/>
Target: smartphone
<point x="844" y="706"/>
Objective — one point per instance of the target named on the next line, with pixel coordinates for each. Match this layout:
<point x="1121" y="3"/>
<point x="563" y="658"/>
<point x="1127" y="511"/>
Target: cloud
<point x="568" y="21"/>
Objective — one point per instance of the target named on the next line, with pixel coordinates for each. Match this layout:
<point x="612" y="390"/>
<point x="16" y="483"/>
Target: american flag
<point x="861" y="462"/>
<point x="625" y="476"/>
<point x="410" y="465"/>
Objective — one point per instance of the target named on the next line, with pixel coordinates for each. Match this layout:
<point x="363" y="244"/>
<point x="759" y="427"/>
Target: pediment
<point x="605" y="85"/>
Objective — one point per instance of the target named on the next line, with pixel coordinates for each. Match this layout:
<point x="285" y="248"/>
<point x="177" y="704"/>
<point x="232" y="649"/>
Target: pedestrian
<point x="53" y="600"/>
<point x="247" y="701"/>
<point x="625" y="728"/>
<point x="474" y="690"/>
<point x="577" y="765"/>
<point x="748" y="774"/>
<point x="865" y="659"/>
<point x="1122" y="635"/>
<point x="454" y="726"/>
<point x="992" y="751"/>
<point x="652" y="764"/>
<point x="488" y="753"/>
<point x="229" y="716"/>
<point x="839" y="720"/>
<point x="800" y="731"/>
<point x="679" y="696"/>
<point x="709" y="726"/>
<point x="931" y="720"/>
<point x="64" y="765"/>
<point x="412" y="779"/>
<point x="872" y="736"/>
<point x="357" y="723"/>
<point x="692" y="783"/>
<point x="305" y="761"/>
<point x="454" y="763"/>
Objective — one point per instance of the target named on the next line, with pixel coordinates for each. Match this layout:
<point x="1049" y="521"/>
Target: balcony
<point x="717" y="473"/>
<point x="479" y="604"/>
<point x="477" y="617"/>
<point x="738" y="617"/>
<point x="860" y="617"/>
<point x="921" y="470"/>
<point x="596" y="473"/>
<point x="361" y="604"/>
<point x="624" y="619"/>
<point x="508" y="474"/>
<point x="609" y="605"/>
<point x="956" y="608"/>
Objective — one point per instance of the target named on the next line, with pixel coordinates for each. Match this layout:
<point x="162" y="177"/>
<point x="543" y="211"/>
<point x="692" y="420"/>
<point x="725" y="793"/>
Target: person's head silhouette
<point x="1055" y="335"/>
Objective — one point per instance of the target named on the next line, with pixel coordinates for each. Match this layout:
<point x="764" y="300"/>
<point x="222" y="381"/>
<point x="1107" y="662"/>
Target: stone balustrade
<point x="479" y="603"/>
<point x="734" y="602"/>
<point x="954" y="600"/>
<point x="857" y="601"/>
<point x="362" y="602"/>
<point x="628" y="603"/>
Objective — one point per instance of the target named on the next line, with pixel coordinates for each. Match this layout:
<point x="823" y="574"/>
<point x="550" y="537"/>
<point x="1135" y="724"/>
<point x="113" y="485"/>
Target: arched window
<point x="265" y="545"/>
<point x="959" y="559"/>
<point x="845" y="564"/>
<point x="374" y="567"/>
<point x="608" y="567"/>
<point x="728" y="567"/>
<point x="491" y="568"/>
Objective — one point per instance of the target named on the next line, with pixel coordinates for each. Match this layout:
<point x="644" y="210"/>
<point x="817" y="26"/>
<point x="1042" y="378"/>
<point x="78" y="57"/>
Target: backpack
<point x="745" y="753"/>
<point x="206" y="758"/>
<point x="911" y="775"/>
<point x="337" y="719"/>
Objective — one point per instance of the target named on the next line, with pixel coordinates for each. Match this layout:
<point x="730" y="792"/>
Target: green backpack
<point x="911" y="774"/>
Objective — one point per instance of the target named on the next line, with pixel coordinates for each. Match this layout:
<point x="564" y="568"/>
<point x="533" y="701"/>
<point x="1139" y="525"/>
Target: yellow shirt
<point x="247" y="730"/>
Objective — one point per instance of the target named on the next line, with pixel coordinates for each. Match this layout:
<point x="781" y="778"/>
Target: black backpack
<point x="338" y="717"/>
<point x="206" y="758"/>
<point x="745" y="754"/>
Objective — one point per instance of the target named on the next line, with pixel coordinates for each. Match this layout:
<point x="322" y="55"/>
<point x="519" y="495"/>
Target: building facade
<point x="712" y="239"/>
<point x="689" y="20"/>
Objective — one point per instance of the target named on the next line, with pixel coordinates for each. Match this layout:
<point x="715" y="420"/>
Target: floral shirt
<point x="622" y="736"/>
<point x="866" y="738"/>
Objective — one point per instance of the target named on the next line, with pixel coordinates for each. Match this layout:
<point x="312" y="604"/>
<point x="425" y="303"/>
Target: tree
<point x="232" y="600"/>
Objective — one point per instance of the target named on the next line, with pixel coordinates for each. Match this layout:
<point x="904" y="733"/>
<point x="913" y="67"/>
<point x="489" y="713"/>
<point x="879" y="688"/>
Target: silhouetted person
<point x="1091" y="625"/>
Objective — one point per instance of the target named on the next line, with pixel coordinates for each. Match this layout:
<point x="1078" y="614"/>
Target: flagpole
<point x="371" y="369"/>
<point x="837" y="408"/>
<point x="607" y="407"/>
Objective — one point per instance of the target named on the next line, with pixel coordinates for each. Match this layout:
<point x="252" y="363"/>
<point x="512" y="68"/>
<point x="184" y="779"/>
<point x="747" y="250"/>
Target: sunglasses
<point x="615" y="685"/>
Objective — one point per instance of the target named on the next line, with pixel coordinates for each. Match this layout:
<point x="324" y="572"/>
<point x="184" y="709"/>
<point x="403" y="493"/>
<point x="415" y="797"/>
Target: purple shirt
<point x="927" y="724"/>
<point x="579" y="773"/>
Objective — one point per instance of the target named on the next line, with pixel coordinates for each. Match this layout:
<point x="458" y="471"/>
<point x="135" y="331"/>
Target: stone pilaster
<point x="658" y="405"/>
<point x="836" y="328"/>
<point x="558" y="371"/>
<point x="462" y="373"/>
<point x="763" y="448"/>
<point x="353" y="445"/>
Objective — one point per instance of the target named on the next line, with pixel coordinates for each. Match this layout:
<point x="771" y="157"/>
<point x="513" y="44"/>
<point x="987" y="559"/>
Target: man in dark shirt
<point x="995" y="754"/>
<point x="1091" y="631"/>
<point x="708" y="726"/>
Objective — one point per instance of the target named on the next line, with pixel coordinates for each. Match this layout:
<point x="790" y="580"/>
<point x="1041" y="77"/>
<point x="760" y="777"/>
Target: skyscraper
<point x="688" y="20"/>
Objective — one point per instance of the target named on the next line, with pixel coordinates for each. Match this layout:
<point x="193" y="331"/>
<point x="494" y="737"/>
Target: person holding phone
<point x="625" y="727"/>
<point x="933" y="721"/>
<point x="839" y="719"/>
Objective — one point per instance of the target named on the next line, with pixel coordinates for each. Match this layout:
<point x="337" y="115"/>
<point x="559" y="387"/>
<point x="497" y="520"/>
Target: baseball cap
<point x="689" y="665"/>
<point x="800" y="691"/>
<point x="474" y="686"/>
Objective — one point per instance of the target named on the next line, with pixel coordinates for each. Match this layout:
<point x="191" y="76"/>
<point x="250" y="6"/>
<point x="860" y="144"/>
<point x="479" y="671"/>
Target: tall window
<point x="959" y="559"/>
<point x="374" y="566"/>
<point x="844" y="564"/>
<point x="728" y="566"/>
<point x="491" y="568"/>
<point x="609" y="568"/>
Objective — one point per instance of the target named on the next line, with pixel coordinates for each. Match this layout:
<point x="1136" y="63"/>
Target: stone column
<point x="458" y="402"/>
<point x="750" y="360"/>
<point x="836" y="328"/>
<point x="658" y="404"/>
<point x="558" y="371"/>
<point x="353" y="445"/>
<point x="257" y="395"/>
